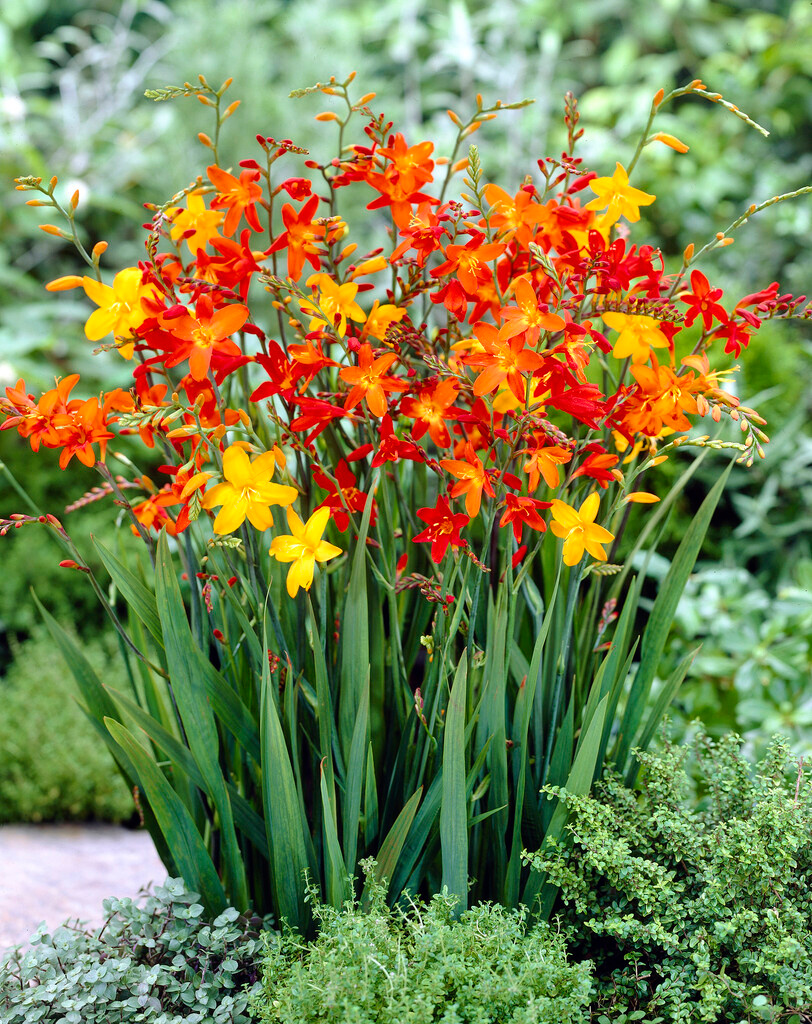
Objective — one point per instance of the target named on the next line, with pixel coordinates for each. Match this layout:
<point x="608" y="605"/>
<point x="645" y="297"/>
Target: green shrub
<point x="383" y="966"/>
<point x="53" y="766"/>
<point x="156" y="961"/>
<point x="694" y="911"/>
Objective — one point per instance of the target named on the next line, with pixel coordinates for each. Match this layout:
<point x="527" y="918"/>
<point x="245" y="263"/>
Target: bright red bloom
<point x="472" y="479"/>
<point x="344" y="496"/>
<point x="391" y="448"/>
<point x="521" y="511"/>
<point x="443" y="528"/>
<point x="703" y="301"/>
<point x="470" y="262"/>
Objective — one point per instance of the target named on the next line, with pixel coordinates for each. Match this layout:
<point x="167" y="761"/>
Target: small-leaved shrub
<point x="422" y="964"/>
<point x="693" y="911"/>
<point x="53" y="766"/>
<point x="156" y="961"/>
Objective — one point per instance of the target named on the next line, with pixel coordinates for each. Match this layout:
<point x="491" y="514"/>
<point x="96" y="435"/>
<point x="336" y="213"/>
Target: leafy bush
<point x="155" y="961"/>
<point x="753" y="669"/>
<point x="53" y="766"/>
<point x="694" y="912"/>
<point x="383" y="966"/>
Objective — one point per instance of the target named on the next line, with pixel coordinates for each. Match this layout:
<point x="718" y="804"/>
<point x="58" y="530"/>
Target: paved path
<point x="54" y="872"/>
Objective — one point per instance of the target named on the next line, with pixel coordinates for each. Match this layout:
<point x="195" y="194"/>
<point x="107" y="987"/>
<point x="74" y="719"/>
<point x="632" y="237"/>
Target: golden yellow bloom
<point x="303" y="547"/>
<point x="381" y="317"/>
<point x="638" y="335"/>
<point x="618" y="195"/>
<point x="579" y="529"/>
<point x="246" y="492"/>
<point x="120" y="308"/>
<point x="334" y="300"/>
<point x="195" y="218"/>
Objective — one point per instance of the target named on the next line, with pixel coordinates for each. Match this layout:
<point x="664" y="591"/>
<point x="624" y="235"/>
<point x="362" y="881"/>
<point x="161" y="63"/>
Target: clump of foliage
<point x="693" y="910"/>
<point x="156" y="960"/>
<point x="377" y="965"/>
<point x="52" y="765"/>
<point x="753" y="669"/>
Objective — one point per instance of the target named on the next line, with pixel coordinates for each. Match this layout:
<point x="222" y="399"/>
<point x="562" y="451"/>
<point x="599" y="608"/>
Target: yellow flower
<point x="246" y="492"/>
<point x="120" y="308"/>
<point x="334" y="300"/>
<point x="618" y="195"/>
<point x="381" y="317"/>
<point x="303" y="547"/>
<point x="579" y="529"/>
<point x="638" y="335"/>
<point x="195" y="217"/>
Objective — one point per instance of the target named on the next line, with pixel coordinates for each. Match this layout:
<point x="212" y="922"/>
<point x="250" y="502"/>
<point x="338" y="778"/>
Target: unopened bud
<point x="64" y="284"/>
<point x="74" y="199"/>
<point x="52" y="229"/>
<point x="99" y="249"/>
<point x="326" y="115"/>
<point x="203" y="138"/>
<point x="658" y="98"/>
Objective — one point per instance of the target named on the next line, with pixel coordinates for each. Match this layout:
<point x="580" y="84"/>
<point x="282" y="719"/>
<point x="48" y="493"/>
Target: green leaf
<point x="355" y="628"/>
<point x="335" y="872"/>
<point x="182" y="658"/>
<point x="283" y="822"/>
<point x="661" y="705"/>
<point x="351" y="810"/>
<point x="454" y="807"/>
<point x="389" y="852"/>
<point x="661" y="618"/>
<point x="182" y="836"/>
<point x="138" y="596"/>
<point x="370" y="800"/>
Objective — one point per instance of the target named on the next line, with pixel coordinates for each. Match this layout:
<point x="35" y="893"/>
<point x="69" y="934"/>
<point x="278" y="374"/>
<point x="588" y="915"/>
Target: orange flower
<point x="514" y="216"/>
<point x="335" y="302"/>
<point x="369" y="381"/>
<point x="430" y="409"/>
<point x="544" y="462"/>
<point x="579" y="530"/>
<point x="238" y="195"/>
<point x="527" y="317"/>
<point x="472" y="477"/>
<point x="299" y="237"/>
<point x="502" y="360"/>
<point x="207" y="330"/>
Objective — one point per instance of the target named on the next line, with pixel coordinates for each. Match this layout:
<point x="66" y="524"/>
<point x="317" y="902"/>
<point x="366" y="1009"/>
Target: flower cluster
<point x="508" y="356"/>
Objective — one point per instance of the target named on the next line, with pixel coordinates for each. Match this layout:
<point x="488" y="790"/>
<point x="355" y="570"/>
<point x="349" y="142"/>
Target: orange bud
<point x="64" y="284"/>
<point x="54" y="181"/>
<point x="226" y="84"/>
<point x="368" y="97"/>
<point x="230" y="109"/>
<point x="279" y="456"/>
<point x="351" y="77"/>
<point x="670" y="140"/>
<point x="688" y="255"/>
<point x="658" y="98"/>
<point x="698" y="84"/>
<point x="471" y="128"/>
<point x="327" y="115"/>
<point x="441" y="161"/>
<point x="74" y="199"/>
<point x="187" y="430"/>
<point x="460" y="165"/>
<point x="204" y="99"/>
<point x="329" y="92"/>
<point x="369" y="266"/>
<point x="659" y="459"/>
<point x="454" y="118"/>
<point x="52" y="229"/>
<point x="203" y="138"/>
<point x="348" y="250"/>
<point x="719" y="236"/>
<point x="34" y="202"/>
<point x="99" y="249"/>
<point x="725" y="241"/>
<point x="642" y="497"/>
<point x="245" y="419"/>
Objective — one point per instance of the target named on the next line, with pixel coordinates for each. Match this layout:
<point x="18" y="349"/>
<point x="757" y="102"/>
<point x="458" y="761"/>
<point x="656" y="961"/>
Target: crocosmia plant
<point x="388" y="499"/>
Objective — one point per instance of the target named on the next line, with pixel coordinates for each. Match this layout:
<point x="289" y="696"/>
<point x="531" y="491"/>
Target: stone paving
<point x="55" y="872"/>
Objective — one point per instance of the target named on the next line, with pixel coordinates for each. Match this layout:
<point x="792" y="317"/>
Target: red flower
<point x="703" y="301"/>
<point x="519" y="511"/>
<point x="443" y="528"/>
<point x="344" y="496"/>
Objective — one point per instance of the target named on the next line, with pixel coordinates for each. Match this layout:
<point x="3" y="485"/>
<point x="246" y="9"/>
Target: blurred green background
<point x="72" y="78"/>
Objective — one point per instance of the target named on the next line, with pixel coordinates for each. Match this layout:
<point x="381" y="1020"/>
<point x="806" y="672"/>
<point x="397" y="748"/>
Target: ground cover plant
<point x="156" y="959"/>
<point x="694" y="911"/>
<point x="460" y="424"/>
<point x="420" y="963"/>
